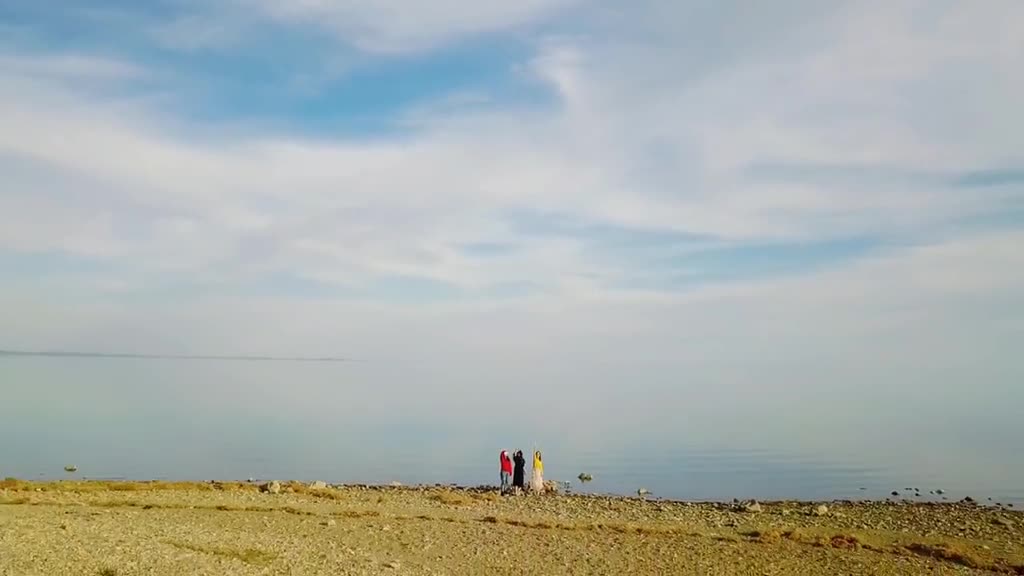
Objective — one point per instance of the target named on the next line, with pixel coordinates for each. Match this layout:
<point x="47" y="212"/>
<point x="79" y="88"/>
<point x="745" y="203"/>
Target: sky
<point x="783" y="217"/>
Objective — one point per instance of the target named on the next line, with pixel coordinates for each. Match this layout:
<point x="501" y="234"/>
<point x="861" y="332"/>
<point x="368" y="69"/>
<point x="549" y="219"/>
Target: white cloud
<point x="195" y="33"/>
<point x="68" y="67"/>
<point x="399" y="26"/>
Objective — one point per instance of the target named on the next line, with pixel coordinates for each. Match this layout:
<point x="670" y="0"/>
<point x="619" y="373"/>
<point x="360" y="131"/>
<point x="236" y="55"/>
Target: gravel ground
<point x="155" y="529"/>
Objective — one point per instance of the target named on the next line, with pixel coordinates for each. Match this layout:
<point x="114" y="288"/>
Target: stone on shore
<point x="273" y="487"/>
<point x="318" y="485"/>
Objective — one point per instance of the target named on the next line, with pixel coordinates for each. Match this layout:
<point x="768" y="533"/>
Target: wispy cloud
<point x="394" y="26"/>
<point x="991" y="177"/>
<point x="194" y="32"/>
<point x="69" y="67"/>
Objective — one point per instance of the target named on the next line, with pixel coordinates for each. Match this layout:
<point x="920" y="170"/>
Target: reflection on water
<point x="349" y="423"/>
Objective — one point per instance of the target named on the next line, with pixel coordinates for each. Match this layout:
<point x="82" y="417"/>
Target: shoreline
<point x="123" y="527"/>
<point x="291" y="486"/>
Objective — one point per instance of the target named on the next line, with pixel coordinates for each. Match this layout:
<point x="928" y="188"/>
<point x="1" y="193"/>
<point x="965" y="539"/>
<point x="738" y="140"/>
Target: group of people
<point x="513" y="472"/>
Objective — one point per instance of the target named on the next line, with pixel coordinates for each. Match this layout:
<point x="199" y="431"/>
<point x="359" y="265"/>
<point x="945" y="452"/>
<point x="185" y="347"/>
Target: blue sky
<point x="816" y="188"/>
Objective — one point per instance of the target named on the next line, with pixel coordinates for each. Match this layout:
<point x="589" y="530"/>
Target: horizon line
<point x="150" y="356"/>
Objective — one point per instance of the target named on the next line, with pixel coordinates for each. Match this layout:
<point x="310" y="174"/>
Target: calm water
<point x="350" y="422"/>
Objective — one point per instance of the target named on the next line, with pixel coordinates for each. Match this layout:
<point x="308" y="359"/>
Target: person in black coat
<point x="519" y="472"/>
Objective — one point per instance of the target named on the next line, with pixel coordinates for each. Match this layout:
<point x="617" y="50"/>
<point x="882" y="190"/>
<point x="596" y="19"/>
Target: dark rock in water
<point x="71" y="468"/>
<point x="584" y="477"/>
<point x="863" y="488"/>
<point x="968" y="500"/>
<point x="940" y="491"/>
<point x="895" y="493"/>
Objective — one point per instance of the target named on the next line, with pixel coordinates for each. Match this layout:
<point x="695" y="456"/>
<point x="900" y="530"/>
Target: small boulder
<point x="273" y="487"/>
<point x="71" y="468"/>
<point x="396" y="484"/>
<point x="318" y="485"/>
<point x="584" y="477"/>
<point x="821" y="510"/>
<point x="753" y="507"/>
<point x="330" y="522"/>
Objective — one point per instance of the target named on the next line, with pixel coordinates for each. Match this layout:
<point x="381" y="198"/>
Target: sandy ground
<point x="94" y="528"/>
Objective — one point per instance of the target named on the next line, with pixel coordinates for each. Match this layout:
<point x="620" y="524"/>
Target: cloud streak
<point x="391" y="26"/>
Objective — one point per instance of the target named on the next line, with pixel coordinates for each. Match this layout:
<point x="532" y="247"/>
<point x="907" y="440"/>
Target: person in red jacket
<point x="506" y="471"/>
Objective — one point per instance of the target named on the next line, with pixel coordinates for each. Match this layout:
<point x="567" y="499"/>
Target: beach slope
<point x="103" y="528"/>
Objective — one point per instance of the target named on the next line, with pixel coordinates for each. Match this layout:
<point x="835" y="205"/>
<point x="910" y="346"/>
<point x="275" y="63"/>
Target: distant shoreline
<point x="126" y="355"/>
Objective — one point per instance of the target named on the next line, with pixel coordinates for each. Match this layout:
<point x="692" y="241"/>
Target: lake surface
<point x="350" y="423"/>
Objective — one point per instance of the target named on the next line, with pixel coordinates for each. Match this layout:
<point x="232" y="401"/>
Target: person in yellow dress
<point x="537" y="481"/>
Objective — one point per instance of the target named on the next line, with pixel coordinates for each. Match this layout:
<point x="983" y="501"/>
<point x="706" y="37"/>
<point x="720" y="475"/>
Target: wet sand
<point x="104" y="528"/>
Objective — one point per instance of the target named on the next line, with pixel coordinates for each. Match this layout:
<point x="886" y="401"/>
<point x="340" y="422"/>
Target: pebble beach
<point x="215" y="528"/>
